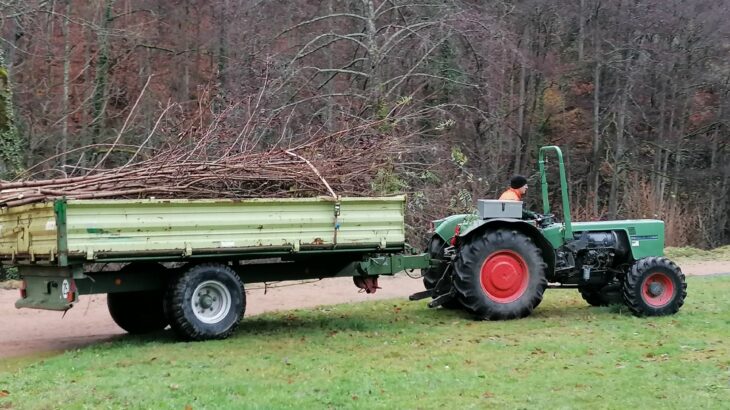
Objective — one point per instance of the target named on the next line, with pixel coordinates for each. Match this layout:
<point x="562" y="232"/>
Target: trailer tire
<point x="142" y="311"/>
<point x="654" y="286"/>
<point x="205" y="302"/>
<point x="500" y="275"/>
<point x="138" y="312"/>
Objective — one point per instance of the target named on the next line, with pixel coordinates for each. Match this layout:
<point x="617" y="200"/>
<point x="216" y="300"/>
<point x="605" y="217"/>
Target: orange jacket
<point x="511" y="195"/>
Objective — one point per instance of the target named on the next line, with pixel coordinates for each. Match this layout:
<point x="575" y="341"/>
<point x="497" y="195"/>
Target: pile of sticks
<point x="325" y="166"/>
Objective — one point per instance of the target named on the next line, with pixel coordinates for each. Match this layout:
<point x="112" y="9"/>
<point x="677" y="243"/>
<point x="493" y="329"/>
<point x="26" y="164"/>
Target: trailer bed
<point x="76" y="231"/>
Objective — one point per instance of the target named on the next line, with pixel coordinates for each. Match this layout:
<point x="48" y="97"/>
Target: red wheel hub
<point x="657" y="289"/>
<point x="504" y="276"/>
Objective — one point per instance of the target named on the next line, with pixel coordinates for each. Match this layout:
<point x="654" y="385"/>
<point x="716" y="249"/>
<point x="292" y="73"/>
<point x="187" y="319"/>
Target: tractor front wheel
<point x="500" y="275"/>
<point x="654" y="286"/>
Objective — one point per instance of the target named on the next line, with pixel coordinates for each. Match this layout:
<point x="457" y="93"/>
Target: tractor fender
<point x="522" y="226"/>
<point x="444" y="228"/>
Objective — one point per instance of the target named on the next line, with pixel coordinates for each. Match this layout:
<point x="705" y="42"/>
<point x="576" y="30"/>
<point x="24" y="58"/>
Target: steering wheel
<point x="546" y="219"/>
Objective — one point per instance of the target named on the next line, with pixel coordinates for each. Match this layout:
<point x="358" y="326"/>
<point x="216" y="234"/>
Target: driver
<point x="517" y="189"/>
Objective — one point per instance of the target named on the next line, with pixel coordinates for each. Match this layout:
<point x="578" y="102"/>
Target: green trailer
<point x="184" y="263"/>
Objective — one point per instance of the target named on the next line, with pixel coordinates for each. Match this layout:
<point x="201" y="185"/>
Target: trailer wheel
<point x="205" y="302"/>
<point x="654" y="286"/>
<point x="139" y="312"/>
<point x="500" y="275"/>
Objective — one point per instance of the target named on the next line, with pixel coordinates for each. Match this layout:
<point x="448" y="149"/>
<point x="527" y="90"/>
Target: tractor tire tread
<point x="633" y="284"/>
<point x="592" y="297"/>
<point x="467" y="275"/>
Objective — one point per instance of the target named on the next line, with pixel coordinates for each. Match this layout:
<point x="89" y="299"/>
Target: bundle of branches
<point x="338" y="164"/>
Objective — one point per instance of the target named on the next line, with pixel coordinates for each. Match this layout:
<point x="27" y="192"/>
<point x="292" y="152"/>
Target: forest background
<point x="636" y="92"/>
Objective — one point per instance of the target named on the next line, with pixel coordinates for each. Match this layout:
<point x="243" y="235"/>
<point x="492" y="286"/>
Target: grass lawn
<point x="694" y="254"/>
<point x="400" y="354"/>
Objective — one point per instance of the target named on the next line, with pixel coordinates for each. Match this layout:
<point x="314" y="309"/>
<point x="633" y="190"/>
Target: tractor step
<point x="420" y="295"/>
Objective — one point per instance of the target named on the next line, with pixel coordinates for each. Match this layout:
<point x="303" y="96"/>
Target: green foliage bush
<point x="8" y="273"/>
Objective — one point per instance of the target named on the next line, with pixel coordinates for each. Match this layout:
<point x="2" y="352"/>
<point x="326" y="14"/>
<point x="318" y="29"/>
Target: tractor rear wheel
<point x="435" y="250"/>
<point x="500" y="275"/>
<point x="654" y="286"/>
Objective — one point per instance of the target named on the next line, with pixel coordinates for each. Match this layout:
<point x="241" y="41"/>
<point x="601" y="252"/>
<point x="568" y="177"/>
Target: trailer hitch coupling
<point x="367" y="283"/>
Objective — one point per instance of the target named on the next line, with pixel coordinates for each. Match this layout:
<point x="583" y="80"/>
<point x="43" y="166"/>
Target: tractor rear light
<point x="23" y="289"/>
<point x="456" y="233"/>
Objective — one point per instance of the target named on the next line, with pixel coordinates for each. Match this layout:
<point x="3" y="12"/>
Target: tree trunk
<point x="723" y="222"/>
<point x="618" y="157"/>
<point x="63" y="147"/>
<point x="535" y="81"/>
<point x="222" y="46"/>
<point x="664" y="176"/>
<point x="596" y="147"/>
<point x="329" y="116"/>
<point x="716" y="205"/>
<point x="373" y="55"/>
<point x="11" y="153"/>
<point x="101" y="85"/>
<point x="656" y="175"/>
<point x="677" y="171"/>
<point x="521" y="105"/>
<point x="185" y="88"/>
<point x="581" y="29"/>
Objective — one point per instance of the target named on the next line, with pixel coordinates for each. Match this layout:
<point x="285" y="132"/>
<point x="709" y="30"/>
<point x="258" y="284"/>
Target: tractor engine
<point x="588" y="258"/>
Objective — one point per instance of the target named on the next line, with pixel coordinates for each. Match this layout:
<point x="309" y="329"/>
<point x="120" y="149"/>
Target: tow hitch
<point x="444" y="291"/>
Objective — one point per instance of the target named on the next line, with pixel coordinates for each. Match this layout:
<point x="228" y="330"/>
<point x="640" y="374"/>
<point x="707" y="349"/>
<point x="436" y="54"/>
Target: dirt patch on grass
<point x="29" y="331"/>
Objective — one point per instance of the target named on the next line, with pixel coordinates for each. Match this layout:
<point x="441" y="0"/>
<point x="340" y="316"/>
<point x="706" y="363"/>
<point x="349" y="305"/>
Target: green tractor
<point x="497" y="265"/>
